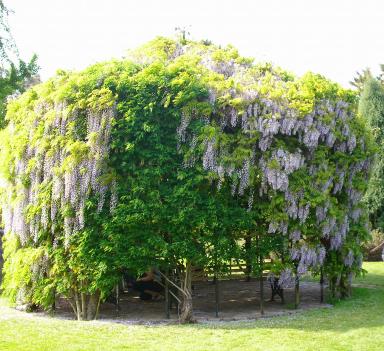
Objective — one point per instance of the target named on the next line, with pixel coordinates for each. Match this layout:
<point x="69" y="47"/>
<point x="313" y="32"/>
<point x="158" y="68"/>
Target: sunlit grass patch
<point x="353" y="324"/>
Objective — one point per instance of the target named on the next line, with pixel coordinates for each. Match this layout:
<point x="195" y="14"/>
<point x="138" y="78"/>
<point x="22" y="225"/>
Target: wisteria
<point x="355" y="214"/>
<point x="311" y="138"/>
<point x="340" y="182"/>
<point x="182" y="128"/>
<point x="295" y="235"/>
<point x="277" y="174"/>
<point x="71" y="185"/>
<point x="321" y="213"/>
<point x="276" y="178"/>
<point x="286" y="279"/>
<point x="210" y="156"/>
<point x="274" y="121"/>
<point x="349" y="259"/>
<point x="244" y="177"/>
<point x="287" y="153"/>
<point x="308" y="257"/>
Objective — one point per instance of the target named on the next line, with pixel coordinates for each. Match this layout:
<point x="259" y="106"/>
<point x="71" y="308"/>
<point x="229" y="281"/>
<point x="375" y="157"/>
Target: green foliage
<point x="26" y="280"/>
<point x="160" y="159"/>
<point x="15" y="80"/>
<point x="15" y="77"/>
<point x="371" y="106"/>
<point x="361" y="78"/>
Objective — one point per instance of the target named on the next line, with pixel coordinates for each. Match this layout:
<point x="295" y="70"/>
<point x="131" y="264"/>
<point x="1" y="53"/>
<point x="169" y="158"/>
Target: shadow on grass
<point x="370" y="280"/>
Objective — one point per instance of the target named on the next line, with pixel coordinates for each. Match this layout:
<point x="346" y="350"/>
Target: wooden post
<point x="261" y="286"/>
<point x="166" y="292"/>
<point x="216" y="278"/>
<point x="321" y="286"/>
<point x="350" y="284"/>
<point x="53" y="307"/>
<point x="117" y="299"/>
<point x="297" y="291"/>
<point x="248" y="263"/>
<point x="261" y="271"/>
<point x="217" y="298"/>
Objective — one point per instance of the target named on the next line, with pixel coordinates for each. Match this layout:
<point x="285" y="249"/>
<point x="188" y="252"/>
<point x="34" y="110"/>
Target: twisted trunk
<point x="345" y="285"/>
<point x="85" y="306"/>
<point x="333" y="286"/>
<point x="186" y="309"/>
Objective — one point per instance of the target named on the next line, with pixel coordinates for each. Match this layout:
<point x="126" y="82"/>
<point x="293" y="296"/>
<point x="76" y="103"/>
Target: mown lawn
<point x="355" y="324"/>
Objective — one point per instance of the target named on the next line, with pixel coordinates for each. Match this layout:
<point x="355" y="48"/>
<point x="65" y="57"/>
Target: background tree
<point x="360" y="79"/>
<point x="371" y="106"/>
<point x="16" y="75"/>
<point x="7" y="43"/>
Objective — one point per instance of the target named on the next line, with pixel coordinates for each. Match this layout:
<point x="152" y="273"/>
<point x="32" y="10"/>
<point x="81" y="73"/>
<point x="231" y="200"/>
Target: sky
<point x="335" y="38"/>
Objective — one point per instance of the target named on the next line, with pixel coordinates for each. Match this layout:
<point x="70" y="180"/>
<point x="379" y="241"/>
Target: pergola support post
<point x="321" y="286"/>
<point x="166" y="292"/>
<point x="297" y="292"/>
<point x="261" y="293"/>
<point x="117" y="291"/>
<point x="217" y="296"/>
<point x="261" y="271"/>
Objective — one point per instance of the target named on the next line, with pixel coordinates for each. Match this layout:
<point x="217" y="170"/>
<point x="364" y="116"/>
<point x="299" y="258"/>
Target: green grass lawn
<point x="354" y="324"/>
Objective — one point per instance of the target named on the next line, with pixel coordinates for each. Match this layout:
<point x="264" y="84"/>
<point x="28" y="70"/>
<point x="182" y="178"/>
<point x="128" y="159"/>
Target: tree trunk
<point x="85" y="306"/>
<point x="77" y="306"/>
<point x="333" y="286"/>
<point x="350" y="277"/>
<point x="186" y="310"/>
<point x="345" y="286"/>
<point x="93" y="306"/>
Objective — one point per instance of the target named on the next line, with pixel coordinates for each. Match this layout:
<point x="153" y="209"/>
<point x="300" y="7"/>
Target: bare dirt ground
<point x="239" y="300"/>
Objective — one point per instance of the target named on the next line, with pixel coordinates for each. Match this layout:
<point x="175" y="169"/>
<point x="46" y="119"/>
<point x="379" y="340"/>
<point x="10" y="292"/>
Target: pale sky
<point x="332" y="37"/>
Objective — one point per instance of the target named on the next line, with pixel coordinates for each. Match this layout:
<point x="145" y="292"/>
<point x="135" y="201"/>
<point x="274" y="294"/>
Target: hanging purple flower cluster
<point x="286" y="278"/>
<point x="308" y="257"/>
<point x="73" y="178"/>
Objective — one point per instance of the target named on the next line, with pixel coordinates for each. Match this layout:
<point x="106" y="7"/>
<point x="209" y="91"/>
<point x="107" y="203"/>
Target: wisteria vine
<point x="291" y="149"/>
